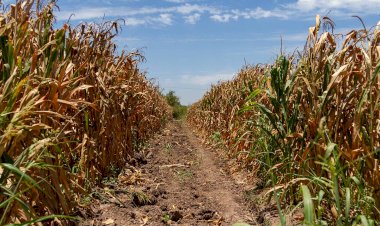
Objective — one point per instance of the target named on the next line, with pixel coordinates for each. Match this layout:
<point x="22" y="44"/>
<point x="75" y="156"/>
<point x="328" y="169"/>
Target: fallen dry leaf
<point x="108" y="221"/>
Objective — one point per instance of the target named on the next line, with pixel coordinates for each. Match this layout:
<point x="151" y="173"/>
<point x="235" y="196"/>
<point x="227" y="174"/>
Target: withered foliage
<point x="309" y="118"/>
<point x="71" y="108"/>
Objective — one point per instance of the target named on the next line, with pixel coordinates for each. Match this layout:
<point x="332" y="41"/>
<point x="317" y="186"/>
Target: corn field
<point x="71" y="108"/>
<point x="310" y="120"/>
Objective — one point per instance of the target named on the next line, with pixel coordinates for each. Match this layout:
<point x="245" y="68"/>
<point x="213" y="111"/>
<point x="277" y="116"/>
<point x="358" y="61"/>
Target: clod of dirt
<point x="142" y="199"/>
<point x="140" y="158"/>
<point x="205" y="214"/>
<point x="195" y="195"/>
<point x="86" y="212"/>
<point x="264" y="216"/>
<point x="260" y="219"/>
<point x="175" y="215"/>
<point x="158" y="192"/>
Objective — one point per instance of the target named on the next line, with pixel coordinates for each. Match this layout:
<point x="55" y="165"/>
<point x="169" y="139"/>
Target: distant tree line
<point x="179" y="110"/>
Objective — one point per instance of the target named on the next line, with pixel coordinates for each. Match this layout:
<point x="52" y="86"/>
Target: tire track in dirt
<point x="219" y="187"/>
<point x="175" y="181"/>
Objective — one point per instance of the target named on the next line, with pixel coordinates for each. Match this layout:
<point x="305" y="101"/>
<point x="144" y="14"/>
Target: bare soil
<point x="175" y="181"/>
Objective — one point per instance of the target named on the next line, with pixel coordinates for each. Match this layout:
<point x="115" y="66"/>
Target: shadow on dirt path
<point x="175" y="181"/>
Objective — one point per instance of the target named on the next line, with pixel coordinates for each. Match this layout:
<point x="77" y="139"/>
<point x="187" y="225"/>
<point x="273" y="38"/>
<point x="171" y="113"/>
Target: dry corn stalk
<point x="70" y="108"/>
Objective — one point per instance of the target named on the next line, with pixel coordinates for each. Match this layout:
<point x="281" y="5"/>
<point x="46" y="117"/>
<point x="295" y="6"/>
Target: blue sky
<point x="190" y="44"/>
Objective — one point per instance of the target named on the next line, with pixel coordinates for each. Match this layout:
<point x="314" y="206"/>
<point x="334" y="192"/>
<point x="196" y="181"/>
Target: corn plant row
<point x="71" y="109"/>
<point x="311" y="118"/>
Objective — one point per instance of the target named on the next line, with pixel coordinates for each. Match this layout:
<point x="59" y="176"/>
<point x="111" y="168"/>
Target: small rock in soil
<point x="205" y="214"/>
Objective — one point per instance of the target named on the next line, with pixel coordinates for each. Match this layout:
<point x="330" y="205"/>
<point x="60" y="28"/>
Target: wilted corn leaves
<point x="325" y="95"/>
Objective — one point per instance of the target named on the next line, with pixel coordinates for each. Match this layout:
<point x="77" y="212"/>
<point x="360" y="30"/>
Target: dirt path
<point x="175" y="181"/>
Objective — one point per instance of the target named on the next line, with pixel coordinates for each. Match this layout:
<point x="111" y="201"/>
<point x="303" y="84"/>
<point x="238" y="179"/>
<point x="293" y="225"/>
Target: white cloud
<point x="193" y="8"/>
<point x="154" y="16"/>
<point x="261" y="13"/>
<point x="354" y="6"/>
<point x="256" y="13"/>
<point x="131" y="21"/>
<point x="83" y="14"/>
<point x="165" y="19"/>
<point x="192" y="13"/>
<point x="224" y="18"/>
<point x="202" y="80"/>
<point x="192" y="19"/>
<point x="99" y="12"/>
